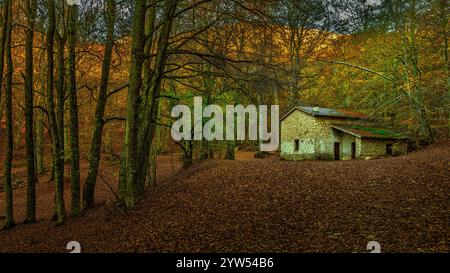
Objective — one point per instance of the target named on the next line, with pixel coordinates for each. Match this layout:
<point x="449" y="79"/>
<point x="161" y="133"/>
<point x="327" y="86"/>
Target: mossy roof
<point x="369" y="132"/>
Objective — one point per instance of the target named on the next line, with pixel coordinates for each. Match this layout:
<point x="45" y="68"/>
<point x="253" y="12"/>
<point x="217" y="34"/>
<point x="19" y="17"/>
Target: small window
<point x="388" y="149"/>
<point x="297" y="145"/>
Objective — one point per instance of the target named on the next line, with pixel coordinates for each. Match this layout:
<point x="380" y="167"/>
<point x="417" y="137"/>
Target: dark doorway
<point x="297" y="145"/>
<point x="353" y="150"/>
<point x="388" y="149"/>
<point x="337" y="151"/>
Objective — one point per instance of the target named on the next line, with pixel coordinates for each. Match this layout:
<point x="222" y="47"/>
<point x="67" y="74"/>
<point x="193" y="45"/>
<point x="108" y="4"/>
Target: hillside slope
<point x="271" y="205"/>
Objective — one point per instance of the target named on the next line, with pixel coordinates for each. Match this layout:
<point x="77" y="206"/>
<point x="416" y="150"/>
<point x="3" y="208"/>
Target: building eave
<point x="345" y="131"/>
<point x="350" y="132"/>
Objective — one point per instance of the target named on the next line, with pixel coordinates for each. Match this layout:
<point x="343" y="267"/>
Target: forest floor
<point x="259" y="205"/>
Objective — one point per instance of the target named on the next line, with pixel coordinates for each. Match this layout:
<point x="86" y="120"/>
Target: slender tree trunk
<point x="57" y="145"/>
<point x="96" y="143"/>
<point x="150" y="18"/>
<point x="40" y="142"/>
<point x="61" y="93"/>
<point x="9" y="217"/>
<point x="122" y="177"/>
<point x="205" y="151"/>
<point x="151" y="175"/>
<point x="4" y="22"/>
<point x="40" y="122"/>
<point x="31" y="9"/>
<point x="230" y="153"/>
<point x="147" y="127"/>
<point x="74" y="135"/>
<point x="188" y="153"/>
<point x="60" y="96"/>
<point x="135" y="84"/>
<point x="141" y="124"/>
<point x="39" y="137"/>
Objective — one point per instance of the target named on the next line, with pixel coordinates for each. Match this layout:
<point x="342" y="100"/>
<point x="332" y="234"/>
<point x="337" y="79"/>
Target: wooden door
<point x="337" y="151"/>
<point x="353" y="150"/>
<point x="388" y="149"/>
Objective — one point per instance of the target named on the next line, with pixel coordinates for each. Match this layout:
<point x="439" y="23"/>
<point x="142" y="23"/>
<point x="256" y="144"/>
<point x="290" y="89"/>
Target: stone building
<point x="313" y="133"/>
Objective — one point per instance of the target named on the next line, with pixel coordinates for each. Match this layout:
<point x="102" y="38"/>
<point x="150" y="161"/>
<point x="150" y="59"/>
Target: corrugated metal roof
<point x="369" y="132"/>
<point x="319" y="111"/>
<point x="327" y="112"/>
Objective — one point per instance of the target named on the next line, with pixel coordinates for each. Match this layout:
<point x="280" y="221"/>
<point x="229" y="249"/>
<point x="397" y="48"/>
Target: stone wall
<point x="400" y="148"/>
<point x="373" y="148"/>
<point x="314" y="135"/>
<point x="376" y="148"/>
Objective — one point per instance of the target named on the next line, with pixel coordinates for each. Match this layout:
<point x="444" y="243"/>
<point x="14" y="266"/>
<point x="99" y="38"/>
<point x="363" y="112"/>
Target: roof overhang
<point x="368" y="134"/>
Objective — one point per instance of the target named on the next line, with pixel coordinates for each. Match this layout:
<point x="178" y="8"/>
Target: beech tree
<point x="31" y="9"/>
<point x="99" y="122"/>
<point x="3" y="21"/>
<point x="142" y="104"/>
<point x="6" y="37"/>
<point x="56" y="122"/>
<point x="73" y="106"/>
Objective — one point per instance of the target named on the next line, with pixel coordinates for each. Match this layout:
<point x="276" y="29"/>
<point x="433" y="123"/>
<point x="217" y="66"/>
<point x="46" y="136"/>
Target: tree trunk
<point x="96" y="143"/>
<point x="9" y="215"/>
<point x="187" y="153"/>
<point x="73" y="107"/>
<point x="230" y="154"/>
<point x="57" y="145"/>
<point x="135" y="84"/>
<point x="150" y="16"/>
<point x="151" y="175"/>
<point x="4" y="22"/>
<point x="40" y="142"/>
<point x="31" y="9"/>
<point x="61" y="93"/>
<point x="148" y="117"/>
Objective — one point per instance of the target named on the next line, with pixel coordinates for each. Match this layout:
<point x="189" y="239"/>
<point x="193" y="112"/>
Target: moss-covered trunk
<point x="3" y="21"/>
<point x="9" y="215"/>
<point x="148" y="115"/>
<point x="96" y="143"/>
<point x="73" y="110"/>
<point x="31" y="9"/>
<point x="142" y="106"/>
<point x="40" y="142"/>
<point x="135" y="84"/>
<point x="154" y="150"/>
<point x="230" y="154"/>
<point x="57" y="145"/>
<point x="60" y="89"/>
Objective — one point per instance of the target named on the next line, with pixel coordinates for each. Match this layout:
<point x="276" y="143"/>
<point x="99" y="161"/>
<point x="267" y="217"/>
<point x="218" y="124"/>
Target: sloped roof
<point x="327" y="112"/>
<point x="369" y="132"/>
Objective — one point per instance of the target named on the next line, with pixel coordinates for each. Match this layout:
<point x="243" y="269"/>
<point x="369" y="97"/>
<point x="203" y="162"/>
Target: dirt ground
<point x="254" y="205"/>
